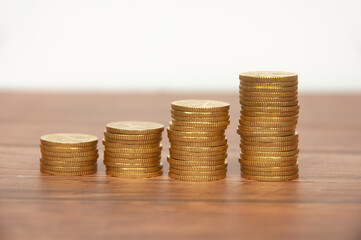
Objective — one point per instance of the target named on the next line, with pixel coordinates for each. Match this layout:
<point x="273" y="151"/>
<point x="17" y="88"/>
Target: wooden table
<point x="324" y="203"/>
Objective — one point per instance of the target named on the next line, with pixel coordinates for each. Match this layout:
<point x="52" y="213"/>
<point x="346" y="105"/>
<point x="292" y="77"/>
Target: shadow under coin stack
<point x="197" y="137"/>
<point x="68" y="154"/>
<point x="133" y="149"/>
<point x="267" y="125"/>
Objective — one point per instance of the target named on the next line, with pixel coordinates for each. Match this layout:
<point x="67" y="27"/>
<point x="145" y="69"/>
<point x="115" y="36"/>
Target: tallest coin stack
<point x="267" y="125"/>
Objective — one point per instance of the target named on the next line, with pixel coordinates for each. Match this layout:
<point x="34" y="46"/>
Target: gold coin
<point x="201" y="158"/>
<point x="120" y="145"/>
<point x="271" y="109"/>
<point x="200" y="106"/>
<point x="200" y="124"/>
<point x="267" y="124"/>
<point x="68" y="140"/>
<point x="271" y="154"/>
<point x="270" y="179"/>
<point x="261" y="130"/>
<point x="269" y="144"/>
<point x="132" y="137"/>
<point x="134" y="150"/>
<point x="135" y="169"/>
<point x="68" y="168"/>
<point x="131" y="155"/>
<point x="251" y="98"/>
<point x="270" y="139"/>
<point x="135" y="127"/>
<point x="199" y="168"/>
<point x="269" y="158"/>
<point x="268" y="94"/>
<point x="196" y="139"/>
<point x="132" y="160"/>
<point x="69" y="154"/>
<point x="131" y="165"/>
<point x="269" y="149"/>
<point x="178" y="152"/>
<point x="269" y="119"/>
<point x="198" y="144"/>
<point x="68" y="163"/>
<point x="268" y="89"/>
<point x="67" y="149"/>
<point x="266" y="163"/>
<point x="132" y="142"/>
<point x="78" y="173"/>
<point x="244" y="133"/>
<point x="209" y="120"/>
<point x="200" y="149"/>
<point x="271" y="169"/>
<point x="134" y="175"/>
<point x="70" y="159"/>
<point x="199" y="114"/>
<point x="269" y="104"/>
<point x="269" y="114"/>
<point x="268" y="76"/>
<point x="270" y="174"/>
<point x="267" y="129"/>
<point x="196" y="129"/>
<point x="196" y="178"/>
<point x="197" y="173"/>
<point x="268" y="84"/>
<point x="204" y="162"/>
<point x="195" y="134"/>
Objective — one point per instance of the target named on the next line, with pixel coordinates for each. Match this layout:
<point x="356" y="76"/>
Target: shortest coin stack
<point x="68" y="154"/>
<point x="198" y="143"/>
<point x="133" y="149"/>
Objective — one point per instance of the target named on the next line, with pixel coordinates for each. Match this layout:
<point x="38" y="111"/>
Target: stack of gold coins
<point x="198" y="143"/>
<point x="133" y="149"/>
<point x="267" y="125"/>
<point x="68" y="154"/>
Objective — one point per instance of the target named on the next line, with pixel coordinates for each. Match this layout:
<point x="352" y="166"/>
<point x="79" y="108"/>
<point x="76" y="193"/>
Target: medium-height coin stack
<point x="68" y="154"/>
<point x="198" y="143"/>
<point x="133" y="149"/>
<point x="269" y="114"/>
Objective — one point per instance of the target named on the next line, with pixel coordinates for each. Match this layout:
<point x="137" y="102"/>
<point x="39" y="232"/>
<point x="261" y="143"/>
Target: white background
<point x="183" y="45"/>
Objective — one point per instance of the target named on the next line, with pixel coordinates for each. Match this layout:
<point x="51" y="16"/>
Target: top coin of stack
<point x="68" y="154"/>
<point x="198" y="143"/>
<point x="269" y="115"/>
<point x="132" y="149"/>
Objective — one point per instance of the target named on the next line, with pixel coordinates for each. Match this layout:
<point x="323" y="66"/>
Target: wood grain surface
<point x="324" y="203"/>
